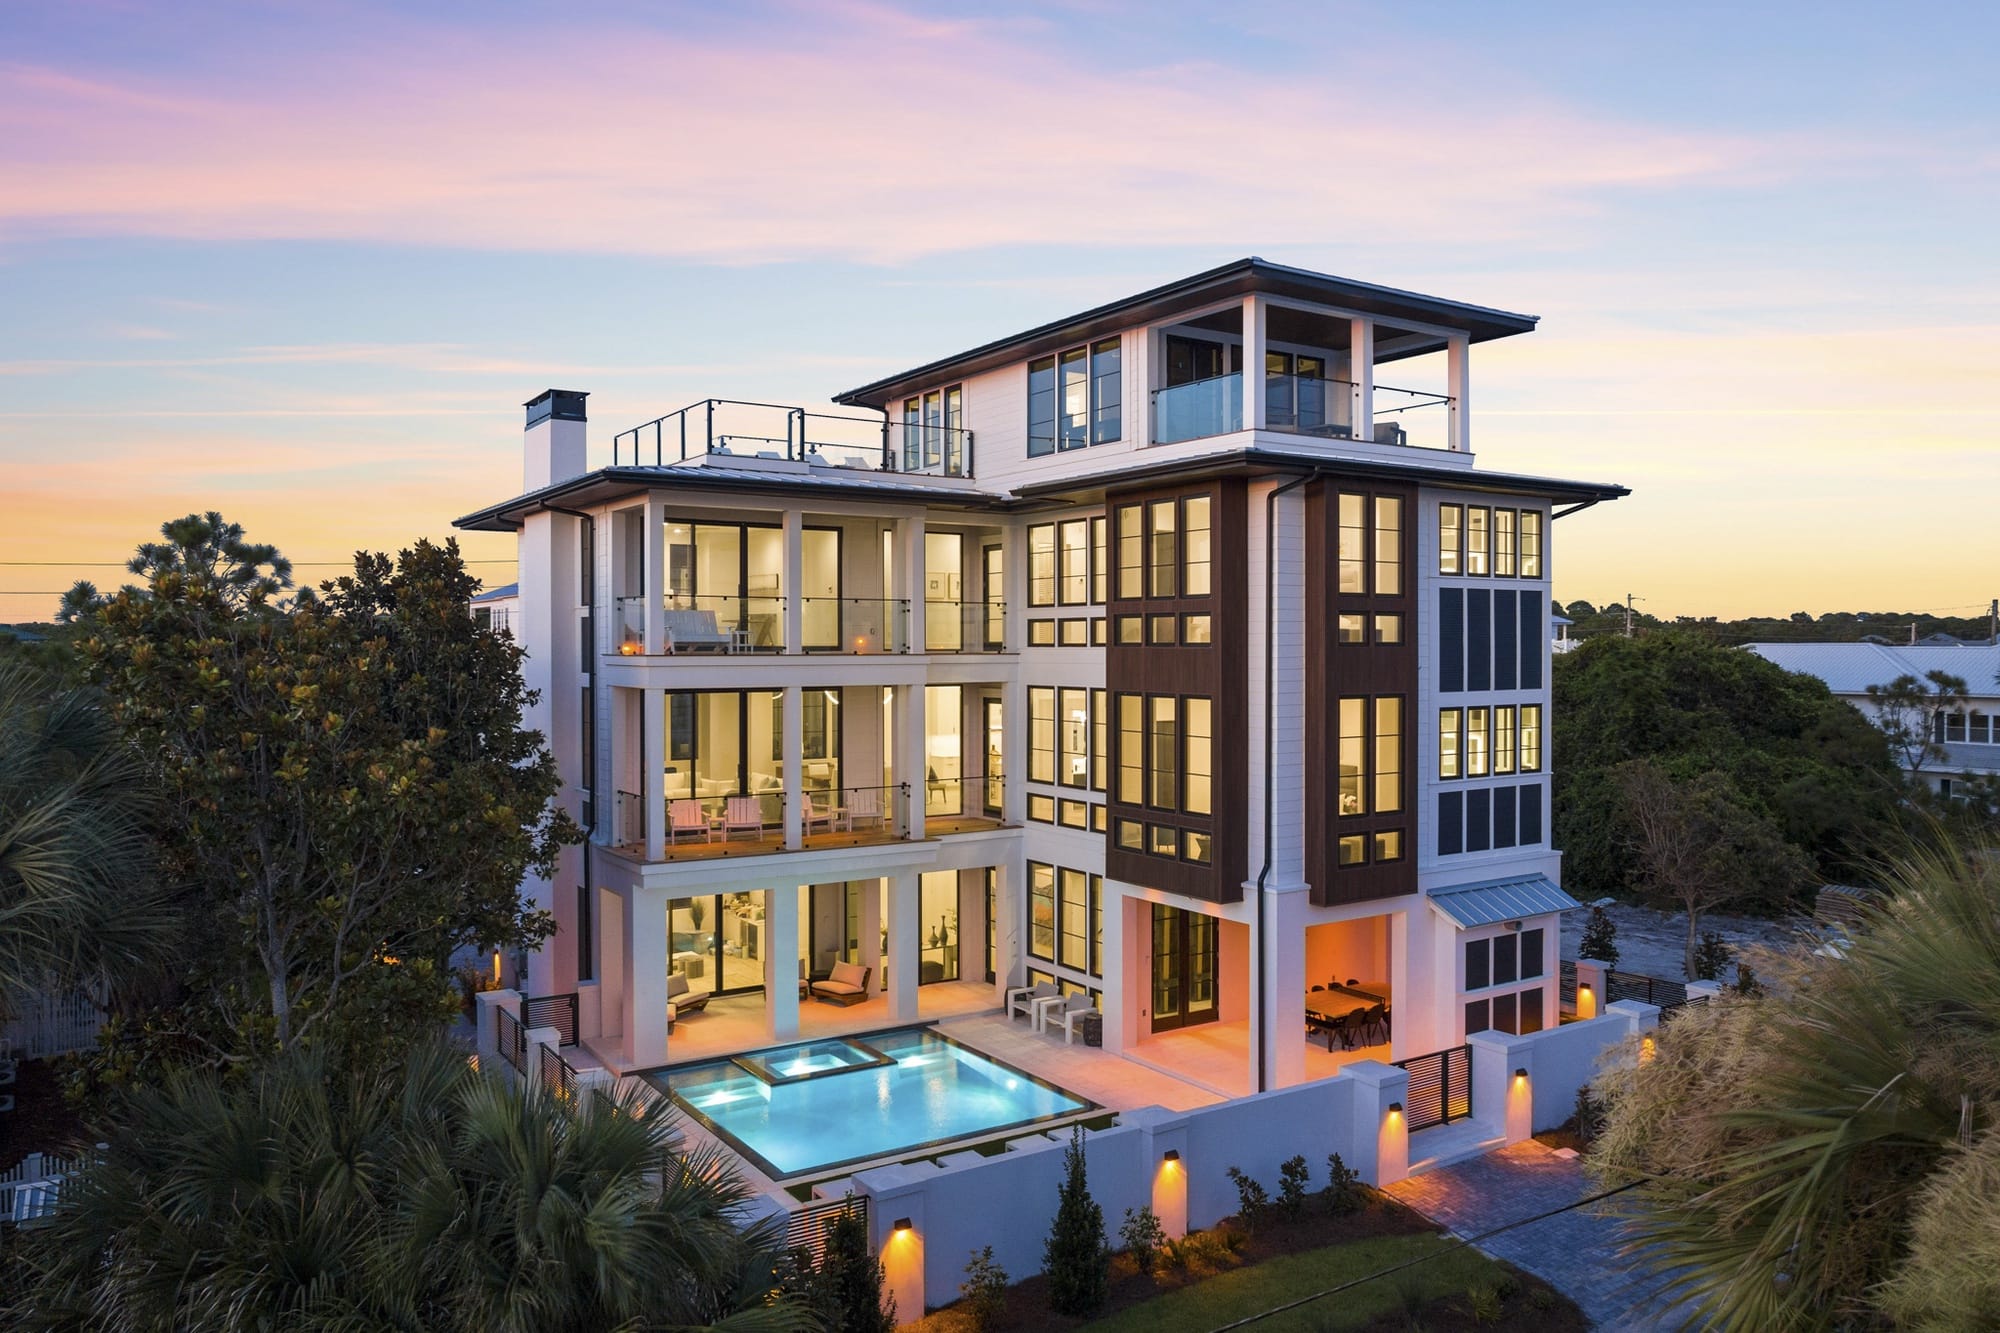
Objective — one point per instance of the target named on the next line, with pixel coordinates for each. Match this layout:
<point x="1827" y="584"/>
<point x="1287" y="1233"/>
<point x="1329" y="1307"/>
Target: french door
<point x="1184" y="955"/>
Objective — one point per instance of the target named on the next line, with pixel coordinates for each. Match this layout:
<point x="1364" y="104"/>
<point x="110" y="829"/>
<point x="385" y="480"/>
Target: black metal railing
<point x="558" y="1075"/>
<point x="806" y="1229"/>
<point x="511" y="1038"/>
<point x="738" y="428"/>
<point x="1440" y="1087"/>
<point x="552" y="1011"/>
<point x="1656" y="991"/>
<point x="1566" y="984"/>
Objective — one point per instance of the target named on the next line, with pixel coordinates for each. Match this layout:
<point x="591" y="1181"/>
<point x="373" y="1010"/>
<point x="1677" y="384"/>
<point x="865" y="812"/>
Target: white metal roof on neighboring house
<point x="1850" y="668"/>
<point x="498" y="594"/>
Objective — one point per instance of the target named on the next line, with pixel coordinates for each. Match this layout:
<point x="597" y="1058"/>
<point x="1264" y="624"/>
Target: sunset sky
<point x="303" y="262"/>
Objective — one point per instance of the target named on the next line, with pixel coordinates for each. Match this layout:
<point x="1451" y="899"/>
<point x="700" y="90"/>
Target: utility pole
<point x="1628" y="615"/>
<point x="1993" y="615"/>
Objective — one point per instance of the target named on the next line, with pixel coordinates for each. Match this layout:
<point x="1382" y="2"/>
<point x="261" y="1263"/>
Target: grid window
<point x="1388" y="755"/>
<point x="1353" y="755"/>
<point x="1353" y="627"/>
<point x="1100" y="740"/>
<point x="1041" y="733"/>
<point x="1074" y="423"/>
<point x="1073" y="911"/>
<point x="1531" y="738"/>
<point x="1388" y="545"/>
<point x="1075" y="633"/>
<point x="1131" y="629"/>
<point x="1388" y="630"/>
<point x="1165" y="547"/>
<point x="1100" y="560"/>
<point x="1503" y="740"/>
<point x="1451" y="537"/>
<point x="1041" y="911"/>
<point x="1353" y="543"/>
<point x="1074" y="543"/>
<point x="1478" y="754"/>
<point x="1106" y="397"/>
<point x="1131" y="552"/>
<point x="1195" y="628"/>
<point x="1132" y="749"/>
<point x="1162" y="629"/>
<point x="1041" y="633"/>
<point x="1451" y="722"/>
<point x="1531" y="543"/>
<point x="1042" y="565"/>
<point x="1163" y="753"/>
<point x="1195" y="546"/>
<point x="1503" y="543"/>
<point x="1075" y="726"/>
<point x="1478" y="530"/>
<point x="1196" y="798"/>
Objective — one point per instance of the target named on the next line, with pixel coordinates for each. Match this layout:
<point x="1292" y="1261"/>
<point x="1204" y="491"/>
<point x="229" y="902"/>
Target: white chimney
<point x="553" y="449"/>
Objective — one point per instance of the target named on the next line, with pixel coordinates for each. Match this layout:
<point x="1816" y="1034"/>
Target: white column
<point x="904" y="956"/>
<point x="1253" y="362"/>
<point x="793" y="766"/>
<point x="655" y="548"/>
<point x="609" y="913"/>
<point x="910" y="577"/>
<point x="1282" y="973"/>
<point x="795" y="580"/>
<point x="871" y="929"/>
<point x="1403" y="981"/>
<point x="781" y="962"/>
<point x="1118" y="1001"/>
<point x="653" y="749"/>
<point x="645" y="960"/>
<point x="910" y="765"/>
<point x="1361" y="370"/>
<point x="1458" y="384"/>
<point x="1006" y="925"/>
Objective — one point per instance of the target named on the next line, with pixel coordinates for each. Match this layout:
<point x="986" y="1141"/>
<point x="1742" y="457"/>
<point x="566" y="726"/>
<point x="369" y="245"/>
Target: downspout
<point x="1270" y="658"/>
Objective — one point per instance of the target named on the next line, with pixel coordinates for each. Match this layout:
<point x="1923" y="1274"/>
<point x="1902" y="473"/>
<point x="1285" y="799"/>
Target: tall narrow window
<point x="1388" y="755"/>
<point x="1478" y="522"/>
<point x="1451" y="537"/>
<point x="1388" y="545"/>
<point x="1131" y="552"/>
<point x="1074" y="424"/>
<point x="1042" y="407"/>
<point x="1042" y="565"/>
<point x="1042" y="911"/>
<point x="1477" y="756"/>
<point x="1503" y="740"/>
<point x="1163" y="753"/>
<point x="1353" y="543"/>
<point x="1450" y="721"/>
<point x="1353" y="756"/>
<point x="1165" y="562"/>
<point x="1106" y="393"/>
<point x="1132" y="749"/>
<point x="933" y="429"/>
<point x="1074" y="721"/>
<point x="1096" y="925"/>
<point x="1195" y="546"/>
<point x="1503" y="542"/>
<point x="1041" y="734"/>
<point x="1074" y="588"/>
<point x="1100" y="561"/>
<point x="1196" y="798"/>
<point x="1074" y="912"/>
<point x="954" y="431"/>
<point x="913" y="434"/>
<point x="1531" y="738"/>
<point x="1531" y="544"/>
<point x="1100" y="740"/>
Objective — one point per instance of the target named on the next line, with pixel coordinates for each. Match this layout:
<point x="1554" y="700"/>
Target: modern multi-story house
<point x="1162" y="653"/>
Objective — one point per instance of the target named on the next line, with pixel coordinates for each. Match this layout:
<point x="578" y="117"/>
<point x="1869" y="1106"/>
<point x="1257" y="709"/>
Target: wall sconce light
<point x="1395" y="1108"/>
<point x="1520" y="1073"/>
<point x="902" y="1225"/>
<point x="1173" y="1155"/>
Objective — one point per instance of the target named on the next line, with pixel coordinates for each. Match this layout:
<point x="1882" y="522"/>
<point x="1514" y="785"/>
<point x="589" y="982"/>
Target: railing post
<point x="708" y="406"/>
<point x="885" y="441"/>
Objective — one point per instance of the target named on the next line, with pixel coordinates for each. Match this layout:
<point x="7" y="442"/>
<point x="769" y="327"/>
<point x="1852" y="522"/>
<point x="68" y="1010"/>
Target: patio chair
<point x="1374" y="1025"/>
<point x="695" y="629"/>
<point x="743" y="814"/>
<point x="1058" y="1010"/>
<point x="685" y="998"/>
<point x="864" y="806"/>
<point x="688" y="817"/>
<point x="817" y="814"/>
<point x="1021" y="999"/>
<point x="1074" y="1017"/>
<point x="848" y="985"/>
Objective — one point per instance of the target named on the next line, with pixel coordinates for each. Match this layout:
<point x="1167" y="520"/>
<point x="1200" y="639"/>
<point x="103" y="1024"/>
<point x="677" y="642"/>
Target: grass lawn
<point x="1245" y="1291"/>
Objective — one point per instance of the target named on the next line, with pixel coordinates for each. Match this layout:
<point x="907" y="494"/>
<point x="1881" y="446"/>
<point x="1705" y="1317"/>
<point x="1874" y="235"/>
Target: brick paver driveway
<point x="1576" y="1252"/>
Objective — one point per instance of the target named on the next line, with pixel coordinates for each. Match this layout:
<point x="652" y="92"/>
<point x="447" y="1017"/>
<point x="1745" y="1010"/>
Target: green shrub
<point x="1076" y="1253"/>
<point x="1344" y="1191"/>
<point x="1711" y="956"/>
<point x="1293" y="1178"/>
<point x="984" y="1290"/>
<point x="1600" y="938"/>
<point x="1541" y="1298"/>
<point x="1483" y="1303"/>
<point x="1251" y="1200"/>
<point x="1588" y="1116"/>
<point x="1143" y="1236"/>
<point x="849" y="1281"/>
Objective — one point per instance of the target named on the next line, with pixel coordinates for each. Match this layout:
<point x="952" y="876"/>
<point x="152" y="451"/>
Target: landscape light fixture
<point x="1173" y="1155"/>
<point x="1395" y="1108"/>
<point x="902" y="1224"/>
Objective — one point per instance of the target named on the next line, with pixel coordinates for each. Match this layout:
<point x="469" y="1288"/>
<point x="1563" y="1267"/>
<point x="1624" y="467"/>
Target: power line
<point x="120" y="564"/>
<point x="1248" y="1320"/>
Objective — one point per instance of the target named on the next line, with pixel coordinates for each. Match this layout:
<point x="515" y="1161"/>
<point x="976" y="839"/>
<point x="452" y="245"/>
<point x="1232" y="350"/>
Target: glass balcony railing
<point x="1304" y="405"/>
<point x="1193" y="411"/>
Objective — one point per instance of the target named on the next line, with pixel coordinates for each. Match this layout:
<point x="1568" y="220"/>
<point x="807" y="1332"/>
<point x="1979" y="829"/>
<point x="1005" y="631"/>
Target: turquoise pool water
<point x="812" y="1106"/>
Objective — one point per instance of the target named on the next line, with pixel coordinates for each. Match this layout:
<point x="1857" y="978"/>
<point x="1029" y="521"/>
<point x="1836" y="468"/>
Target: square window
<point x="1476" y="1019"/>
<point x="1162" y="628"/>
<point x="1131" y="629"/>
<point x="1196" y="846"/>
<point x="1075" y="633"/>
<point x="1389" y="845"/>
<point x="1388" y="629"/>
<point x="1041" y="633"/>
<point x="1041" y="809"/>
<point x="1165" y="841"/>
<point x="1195" y="629"/>
<point x="1073" y="814"/>
<point x="1353" y="627"/>
<point x="1353" y="850"/>
<point x="1131" y="835"/>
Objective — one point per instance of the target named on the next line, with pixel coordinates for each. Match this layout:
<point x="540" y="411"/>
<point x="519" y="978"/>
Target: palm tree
<point x="427" y="1198"/>
<point x="78" y="899"/>
<point x="1826" y="1154"/>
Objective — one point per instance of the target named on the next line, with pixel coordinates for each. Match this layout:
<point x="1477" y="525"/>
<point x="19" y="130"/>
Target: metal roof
<point x="1494" y="900"/>
<point x="500" y="593"/>
<point x="1236" y="278"/>
<point x="1850" y="668"/>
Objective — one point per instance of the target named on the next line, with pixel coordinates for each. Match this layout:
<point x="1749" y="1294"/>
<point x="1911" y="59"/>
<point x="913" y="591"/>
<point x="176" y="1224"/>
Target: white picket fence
<point x="45" y="1025"/>
<point x="28" y="1191"/>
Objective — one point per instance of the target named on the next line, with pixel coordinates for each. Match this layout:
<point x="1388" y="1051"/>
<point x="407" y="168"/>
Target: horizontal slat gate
<point x="1440" y="1087"/>
<point x="552" y="1011"/>
<point x="511" y="1038"/>
<point x="1566" y="984"/>
<point x="806" y="1229"/>
<point x="1647" y="990"/>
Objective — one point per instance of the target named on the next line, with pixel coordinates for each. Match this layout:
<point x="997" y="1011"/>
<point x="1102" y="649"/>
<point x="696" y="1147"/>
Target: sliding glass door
<point x="1184" y="958"/>
<point x="723" y="743"/>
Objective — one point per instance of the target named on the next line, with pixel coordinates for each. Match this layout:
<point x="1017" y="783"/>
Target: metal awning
<point x="1494" y="900"/>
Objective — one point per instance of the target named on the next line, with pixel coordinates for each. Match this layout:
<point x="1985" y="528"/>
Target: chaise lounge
<point x="683" y="999"/>
<point x="847" y="985"/>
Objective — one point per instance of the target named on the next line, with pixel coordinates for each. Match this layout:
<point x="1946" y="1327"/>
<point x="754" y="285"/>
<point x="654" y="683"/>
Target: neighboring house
<point x="1081" y="656"/>
<point x="1966" y="736"/>
<point x="495" y="608"/>
<point x="1559" y="639"/>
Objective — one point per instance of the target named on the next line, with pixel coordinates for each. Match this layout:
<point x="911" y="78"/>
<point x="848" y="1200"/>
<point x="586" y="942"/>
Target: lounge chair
<point x="864" y="806"/>
<point x="684" y="998"/>
<point x="696" y="629"/>
<point x="847" y="985"/>
<point x="1072" y="1018"/>
<point x="743" y="814"/>
<point x="1021" y="999"/>
<point x="688" y="817"/>
<point x="816" y="814"/>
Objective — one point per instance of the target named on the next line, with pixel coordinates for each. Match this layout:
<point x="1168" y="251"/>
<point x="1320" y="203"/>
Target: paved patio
<point x="1577" y="1252"/>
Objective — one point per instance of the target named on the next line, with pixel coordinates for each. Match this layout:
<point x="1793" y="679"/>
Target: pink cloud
<point x="882" y="137"/>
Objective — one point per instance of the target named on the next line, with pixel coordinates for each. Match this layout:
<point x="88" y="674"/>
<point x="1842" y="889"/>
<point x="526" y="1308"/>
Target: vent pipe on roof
<point x="553" y="448"/>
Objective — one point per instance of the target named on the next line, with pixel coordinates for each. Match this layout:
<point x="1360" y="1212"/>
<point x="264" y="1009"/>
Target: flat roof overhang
<point x="1237" y="278"/>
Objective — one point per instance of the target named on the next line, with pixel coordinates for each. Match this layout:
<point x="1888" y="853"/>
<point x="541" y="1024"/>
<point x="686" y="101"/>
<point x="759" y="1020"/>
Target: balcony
<point x="714" y="828"/>
<point x="832" y="625"/>
<point x="718" y="429"/>
<point x="1303" y="405"/>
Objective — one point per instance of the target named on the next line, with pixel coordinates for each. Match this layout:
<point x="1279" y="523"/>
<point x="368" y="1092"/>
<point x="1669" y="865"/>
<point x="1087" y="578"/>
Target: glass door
<point x="1167" y="978"/>
<point x="995" y="785"/>
<point x="938" y="943"/>
<point x="943" y="765"/>
<point x="944" y="592"/>
<point x="1184" y="963"/>
<point x="995" y="596"/>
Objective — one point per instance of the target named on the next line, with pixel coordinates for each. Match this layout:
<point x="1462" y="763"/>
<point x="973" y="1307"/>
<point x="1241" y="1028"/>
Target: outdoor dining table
<point x="1333" y="1005"/>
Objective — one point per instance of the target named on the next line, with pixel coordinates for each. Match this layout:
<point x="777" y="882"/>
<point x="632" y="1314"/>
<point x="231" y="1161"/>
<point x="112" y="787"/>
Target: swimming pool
<point x="809" y="1107"/>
